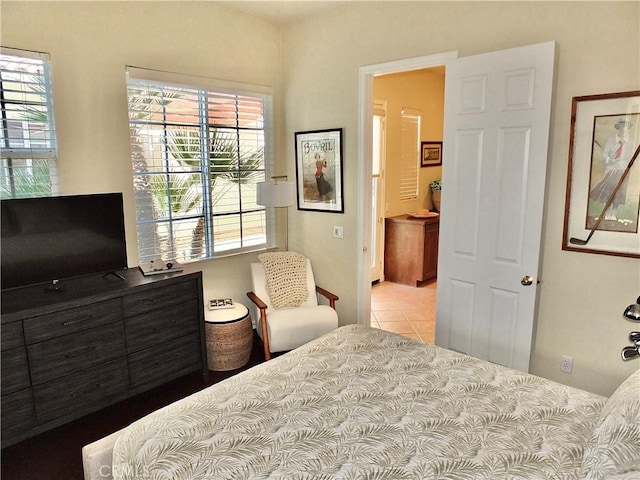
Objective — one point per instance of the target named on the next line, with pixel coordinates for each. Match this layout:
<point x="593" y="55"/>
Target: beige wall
<point x="581" y="297"/>
<point x="421" y="90"/>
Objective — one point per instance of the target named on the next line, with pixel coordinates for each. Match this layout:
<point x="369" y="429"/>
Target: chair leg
<point x="267" y="353"/>
<point x="265" y="334"/>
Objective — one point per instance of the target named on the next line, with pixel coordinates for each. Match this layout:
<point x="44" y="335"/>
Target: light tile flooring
<point x="405" y="310"/>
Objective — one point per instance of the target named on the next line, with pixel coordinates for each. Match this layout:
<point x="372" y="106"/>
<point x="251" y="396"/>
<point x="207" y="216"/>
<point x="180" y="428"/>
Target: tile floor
<point x="405" y="310"/>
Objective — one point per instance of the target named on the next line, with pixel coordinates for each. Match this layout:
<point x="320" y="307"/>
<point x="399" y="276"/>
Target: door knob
<point x="527" y="280"/>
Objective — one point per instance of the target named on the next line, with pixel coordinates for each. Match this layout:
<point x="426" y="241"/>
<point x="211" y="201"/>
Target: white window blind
<point x="197" y="154"/>
<point x="410" y="153"/>
<point x="27" y="135"/>
<point x="379" y="119"/>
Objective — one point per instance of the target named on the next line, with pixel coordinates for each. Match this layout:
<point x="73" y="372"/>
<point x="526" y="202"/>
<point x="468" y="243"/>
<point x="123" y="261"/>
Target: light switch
<point x="338" y="231"/>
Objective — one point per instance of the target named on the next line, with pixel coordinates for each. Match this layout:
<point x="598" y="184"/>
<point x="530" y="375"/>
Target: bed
<point x="362" y="403"/>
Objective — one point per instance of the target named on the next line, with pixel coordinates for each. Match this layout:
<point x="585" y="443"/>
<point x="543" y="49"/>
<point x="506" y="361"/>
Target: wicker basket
<point x="229" y="344"/>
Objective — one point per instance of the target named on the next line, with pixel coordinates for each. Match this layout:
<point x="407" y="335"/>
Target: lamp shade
<point x="280" y="194"/>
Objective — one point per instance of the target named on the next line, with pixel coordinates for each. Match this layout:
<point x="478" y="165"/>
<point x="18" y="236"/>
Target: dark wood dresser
<point x="411" y="249"/>
<point x="100" y="340"/>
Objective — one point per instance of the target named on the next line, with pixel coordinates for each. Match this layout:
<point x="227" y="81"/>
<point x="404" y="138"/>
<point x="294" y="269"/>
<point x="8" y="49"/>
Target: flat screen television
<point x="54" y="238"/>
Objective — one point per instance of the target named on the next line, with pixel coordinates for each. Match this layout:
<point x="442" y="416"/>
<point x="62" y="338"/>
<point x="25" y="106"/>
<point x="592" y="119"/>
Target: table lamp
<point x="278" y="194"/>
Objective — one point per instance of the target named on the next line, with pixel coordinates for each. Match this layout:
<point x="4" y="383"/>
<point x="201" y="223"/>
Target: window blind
<point x="410" y="153"/>
<point x="27" y="137"/>
<point x="379" y="119"/>
<point x="197" y="155"/>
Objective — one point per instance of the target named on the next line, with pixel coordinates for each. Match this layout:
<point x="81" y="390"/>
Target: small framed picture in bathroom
<point x="431" y="154"/>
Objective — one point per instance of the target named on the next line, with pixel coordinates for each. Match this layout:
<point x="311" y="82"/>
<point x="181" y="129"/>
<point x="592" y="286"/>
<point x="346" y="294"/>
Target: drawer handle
<point x="158" y="298"/>
<point x="75" y="394"/>
<point x="73" y="322"/>
<point x="80" y="351"/>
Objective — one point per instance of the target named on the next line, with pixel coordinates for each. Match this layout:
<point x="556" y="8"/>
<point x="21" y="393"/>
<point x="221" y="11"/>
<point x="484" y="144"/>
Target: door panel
<point x="497" y="111"/>
<point x="512" y="177"/>
<point x="467" y="178"/>
<point x="462" y="300"/>
<point x="503" y="317"/>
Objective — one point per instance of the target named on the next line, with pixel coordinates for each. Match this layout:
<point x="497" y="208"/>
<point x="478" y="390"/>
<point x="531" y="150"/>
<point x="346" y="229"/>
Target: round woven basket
<point x="229" y="344"/>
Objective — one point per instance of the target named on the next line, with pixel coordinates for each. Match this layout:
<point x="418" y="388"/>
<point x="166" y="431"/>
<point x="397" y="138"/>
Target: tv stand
<point x="100" y="342"/>
<point x="117" y="274"/>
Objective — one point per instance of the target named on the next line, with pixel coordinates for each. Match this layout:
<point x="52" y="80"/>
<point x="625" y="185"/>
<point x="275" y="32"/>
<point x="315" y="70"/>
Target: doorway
<point x="400" y="186"/>
<point x="486" y="309"/>
<point x="365" y="122"/>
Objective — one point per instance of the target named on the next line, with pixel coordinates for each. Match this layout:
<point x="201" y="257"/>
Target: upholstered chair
<point x="285" y="328"/>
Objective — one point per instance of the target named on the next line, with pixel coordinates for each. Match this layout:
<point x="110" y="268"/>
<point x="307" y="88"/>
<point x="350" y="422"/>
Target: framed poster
<point x="319" y="170"/>
<point x="602" y="204"/>
<point x="431" y="154"/>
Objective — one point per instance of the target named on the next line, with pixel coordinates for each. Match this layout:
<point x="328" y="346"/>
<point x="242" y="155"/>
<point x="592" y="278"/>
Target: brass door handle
<point x="527" y="280"/>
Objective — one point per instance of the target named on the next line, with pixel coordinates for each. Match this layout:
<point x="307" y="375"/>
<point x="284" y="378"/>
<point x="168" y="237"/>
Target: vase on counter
<point x="435" y="198"/>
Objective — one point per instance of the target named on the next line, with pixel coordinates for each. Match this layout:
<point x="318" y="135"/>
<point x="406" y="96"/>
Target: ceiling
<point x="282" y="12"/>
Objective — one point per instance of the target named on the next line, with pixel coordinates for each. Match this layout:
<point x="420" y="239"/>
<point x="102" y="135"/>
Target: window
<point x="377" y="184"/>
<point x="197" y="153"/>
<point x="27" y="136"/>
<point x="410" y="153"/>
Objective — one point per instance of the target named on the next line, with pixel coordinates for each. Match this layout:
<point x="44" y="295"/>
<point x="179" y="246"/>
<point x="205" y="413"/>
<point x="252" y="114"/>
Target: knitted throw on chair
<point x="286" y="274"/>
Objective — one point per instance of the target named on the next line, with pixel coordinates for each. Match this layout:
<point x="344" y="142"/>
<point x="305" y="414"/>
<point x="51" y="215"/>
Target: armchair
<point x="286" y="328"/>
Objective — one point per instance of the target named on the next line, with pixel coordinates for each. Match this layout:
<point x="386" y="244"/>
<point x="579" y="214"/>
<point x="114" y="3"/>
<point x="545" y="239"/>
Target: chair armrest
<point x="255" y="299"/>
<point x="263" y="322"/>
<point x="332" y="297"/>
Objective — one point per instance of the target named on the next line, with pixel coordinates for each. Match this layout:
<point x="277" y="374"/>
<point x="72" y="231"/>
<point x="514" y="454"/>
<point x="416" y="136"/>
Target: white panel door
<point x="497" y="113"/>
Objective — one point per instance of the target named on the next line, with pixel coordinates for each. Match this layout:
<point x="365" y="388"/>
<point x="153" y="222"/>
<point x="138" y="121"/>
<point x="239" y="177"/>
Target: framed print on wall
<point x="602" y="204"/>
<point x="431" y="154"/>
<point x="319" y="170"/>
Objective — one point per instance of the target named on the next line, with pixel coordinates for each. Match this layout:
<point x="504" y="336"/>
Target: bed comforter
<point x="361" y="403"/>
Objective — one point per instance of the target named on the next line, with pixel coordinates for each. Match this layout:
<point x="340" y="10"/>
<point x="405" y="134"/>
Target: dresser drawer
<point x="71" y="353"/>
<point x="159" y="326"/>
<point x="159" y="298"/>
<point x="166" y="361"/>
<point x="81" y="393"/>
<point x="12" y="335"/>
<point x="17" y="414"/>
<point x="44" y="327"/>
<point x="15" y="370"/>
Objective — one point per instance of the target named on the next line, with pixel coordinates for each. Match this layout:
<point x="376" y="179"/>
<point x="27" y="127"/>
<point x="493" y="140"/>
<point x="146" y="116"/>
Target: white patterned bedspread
<point x="361" y="403"/>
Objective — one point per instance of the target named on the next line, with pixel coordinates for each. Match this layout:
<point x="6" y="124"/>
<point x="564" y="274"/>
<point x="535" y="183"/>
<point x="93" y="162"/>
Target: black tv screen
<point x="53" y="238"/>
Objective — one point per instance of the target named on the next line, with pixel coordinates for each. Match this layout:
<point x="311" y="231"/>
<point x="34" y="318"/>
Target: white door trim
<point x="365" y="78"/>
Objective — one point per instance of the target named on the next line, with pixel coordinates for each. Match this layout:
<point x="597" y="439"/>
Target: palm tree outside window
<point x="27" y="133"/>
<point x="197" y="154"/>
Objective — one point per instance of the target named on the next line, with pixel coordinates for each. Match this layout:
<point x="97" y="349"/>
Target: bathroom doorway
<point x="403" y="309"/>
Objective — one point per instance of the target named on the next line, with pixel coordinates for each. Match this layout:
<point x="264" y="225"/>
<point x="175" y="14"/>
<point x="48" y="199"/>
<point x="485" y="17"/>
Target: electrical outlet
<point x="566" y="364"/>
